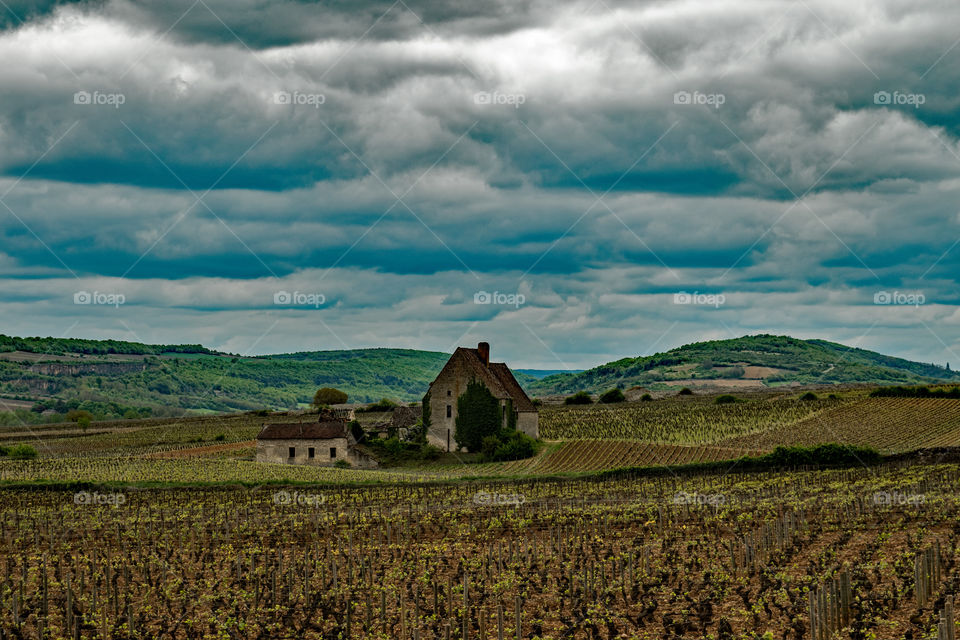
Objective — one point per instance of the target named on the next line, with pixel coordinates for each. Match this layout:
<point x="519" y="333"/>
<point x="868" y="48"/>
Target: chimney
<point x="483" y="350"/>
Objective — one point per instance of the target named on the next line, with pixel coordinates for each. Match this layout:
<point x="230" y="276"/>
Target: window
<point x="311" y="452"/>
<point x="293" y="452"/>
<point x="449" y="392"/>
<point x="449" y="411"/>
<point x="333" y="452"/>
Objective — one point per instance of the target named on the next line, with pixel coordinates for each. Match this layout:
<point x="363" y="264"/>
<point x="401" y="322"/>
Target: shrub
<point x="327" y="396"/>
<point x="822" y="455"/>
<point x="646" y="398"/>
<point x="732" y="372"/>
<point x="685" y="392"/>
<point x="488" y="447"/>
<point x="392" y="451"/>
<point x="74" y="415"/>
<point x="22" y="452"/>
<point x="612" y="396"/>
<point x="221" y="437"/>
<point x="342" y="464"/>
<point x="810" y="395"/>
<point x="507" y="445"/>
<point x="580" y="397"/>
<point x="537" y="402"/>
<point x="384" y="404"/>
<point x="726" y="399"/>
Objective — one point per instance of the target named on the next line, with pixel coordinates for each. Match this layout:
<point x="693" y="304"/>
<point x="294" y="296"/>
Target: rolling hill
<point x="751" y="361"/>
<point x="114" y="379"/>
<point x="117" y="379"/>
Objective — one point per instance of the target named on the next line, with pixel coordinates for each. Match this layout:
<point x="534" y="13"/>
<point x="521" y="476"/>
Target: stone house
<point x="322" y="443"/>
<point x="464" y="366"/>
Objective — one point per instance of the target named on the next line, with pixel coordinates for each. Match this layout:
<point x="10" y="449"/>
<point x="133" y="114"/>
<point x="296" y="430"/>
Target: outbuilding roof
<point x="298" y="431"/>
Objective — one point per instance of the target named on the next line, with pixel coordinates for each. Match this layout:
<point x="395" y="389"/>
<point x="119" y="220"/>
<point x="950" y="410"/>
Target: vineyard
<point x="856" y="553"/>
<point x="693" y="420"/>
<point x="578" y="439"/>
<point x="887" y="424"/>
<point x="596" y="455"/>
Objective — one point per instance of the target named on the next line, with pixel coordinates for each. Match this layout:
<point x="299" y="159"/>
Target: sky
<point x="573" y="183"/>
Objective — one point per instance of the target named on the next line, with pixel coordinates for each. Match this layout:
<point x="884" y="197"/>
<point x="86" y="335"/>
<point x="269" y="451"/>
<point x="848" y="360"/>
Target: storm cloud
<point x="400" y="158"/>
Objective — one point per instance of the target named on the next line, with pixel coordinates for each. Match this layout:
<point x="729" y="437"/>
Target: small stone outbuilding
<point x="321" y="444"/>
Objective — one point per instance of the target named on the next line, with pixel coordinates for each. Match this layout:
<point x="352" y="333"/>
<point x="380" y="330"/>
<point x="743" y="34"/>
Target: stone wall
<point x="529" y="423"/>
<point x="278" y="451"/>
<point x="449" y="386"/>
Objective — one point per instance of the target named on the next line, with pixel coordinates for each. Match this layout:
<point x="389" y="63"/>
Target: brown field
<point x="726" y="556"/>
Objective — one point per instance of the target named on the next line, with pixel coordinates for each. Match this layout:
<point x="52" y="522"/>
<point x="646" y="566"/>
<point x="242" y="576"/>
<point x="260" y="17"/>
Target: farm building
<point x="401" y="421"/>
<point x="467" y="365"/>
<point x="322" y="443"/>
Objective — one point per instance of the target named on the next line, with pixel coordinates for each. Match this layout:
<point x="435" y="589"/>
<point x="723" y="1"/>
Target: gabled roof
<point x="497" y="377"/>
<point x="521" y="402"/>
<point x="309" y="431"/>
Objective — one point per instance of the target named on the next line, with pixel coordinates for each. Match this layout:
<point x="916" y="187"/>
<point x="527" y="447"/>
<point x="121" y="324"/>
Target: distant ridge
<point x="751" y="361"/>
<point x="112" y="378"/>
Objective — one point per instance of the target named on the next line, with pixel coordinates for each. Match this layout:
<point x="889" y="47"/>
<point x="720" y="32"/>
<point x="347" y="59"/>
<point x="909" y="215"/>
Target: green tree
<point x="327" y="396"/>
<point x="76" y="415"/>
<point x="478" y="416"/>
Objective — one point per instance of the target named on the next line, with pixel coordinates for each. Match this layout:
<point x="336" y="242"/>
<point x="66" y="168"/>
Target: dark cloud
<point x="498" y="124"/>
